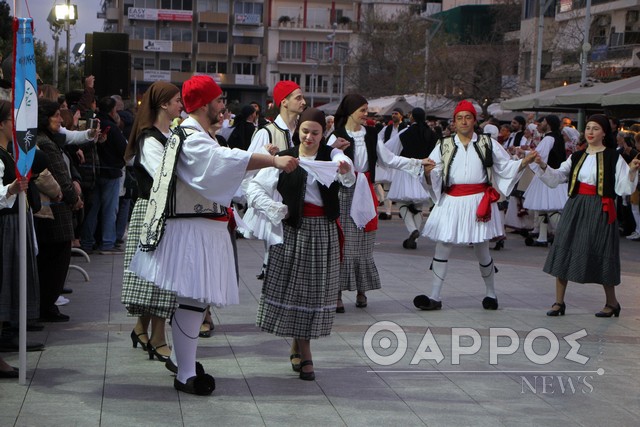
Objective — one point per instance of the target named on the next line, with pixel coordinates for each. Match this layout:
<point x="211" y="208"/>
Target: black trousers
<point x="53" y="264"/>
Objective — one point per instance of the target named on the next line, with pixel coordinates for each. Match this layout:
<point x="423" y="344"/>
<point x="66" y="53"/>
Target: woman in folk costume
<point x="160" y="105"/>
<point x="302" y="280"/>
<point x="547" y="202"/>
<point x="586" y="246"/>
<point x="185" y="245"/>
<point x="416" y="141"/>
<point x="460" y="180"/>
<point x="358" y="204"/>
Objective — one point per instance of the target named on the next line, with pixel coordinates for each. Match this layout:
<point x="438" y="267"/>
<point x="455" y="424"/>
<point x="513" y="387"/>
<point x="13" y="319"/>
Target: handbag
<point x="49" y="189"/>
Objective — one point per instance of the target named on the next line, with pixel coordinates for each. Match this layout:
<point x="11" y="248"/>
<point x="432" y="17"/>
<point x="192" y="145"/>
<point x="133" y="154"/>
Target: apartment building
<point x="171" y="40"/>
<point x="246" y="46"/>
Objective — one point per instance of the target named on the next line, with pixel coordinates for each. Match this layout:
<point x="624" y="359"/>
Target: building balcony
<point x="248" y="19"/>
<point x="322" y="28"/>
<point x="623" y="56"/>
<point x="246" y="49"/>
<point x="213" y="18"/>
<point x="212" y="49"/>
<point x="570" y="10"/>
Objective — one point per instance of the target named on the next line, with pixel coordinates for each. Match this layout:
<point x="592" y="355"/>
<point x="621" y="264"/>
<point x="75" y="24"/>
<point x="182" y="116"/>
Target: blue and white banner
<point x="25" y="96"/>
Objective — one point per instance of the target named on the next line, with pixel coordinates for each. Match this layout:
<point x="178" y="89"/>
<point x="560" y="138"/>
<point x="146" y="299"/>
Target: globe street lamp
<point x="62" y="16"/>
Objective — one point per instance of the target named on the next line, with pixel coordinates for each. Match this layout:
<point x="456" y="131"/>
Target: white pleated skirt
<point x="383" y="174"/>
<point x="453" y="220"/>
<point x="194" y="259"/>
<point x="540" y="197"/>
<point x="407" y="188"/>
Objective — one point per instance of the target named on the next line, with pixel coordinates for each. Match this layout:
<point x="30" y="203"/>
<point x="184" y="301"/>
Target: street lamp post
<point x="432" y="28"/>
<point x="62" y="16"/>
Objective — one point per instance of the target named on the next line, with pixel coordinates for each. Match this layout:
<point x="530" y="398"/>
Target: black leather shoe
<point x="423" y="302"/>
<point x="13" y="373"/>
<point x="559" y="312"/>
<point x="489" y="303"/>
<point x="202" y="385"/>
<point x="173" y="368"/>
<point x="67" y="291"/>
<point x="10" y="345"/>
<point x="384" y="216"/>
<point x="307" y="376"/>
<point x="53" y="315"/>
<point x="615" y="311"/>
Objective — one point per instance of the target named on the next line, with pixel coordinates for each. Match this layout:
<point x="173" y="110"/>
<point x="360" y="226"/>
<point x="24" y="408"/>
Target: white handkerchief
<point x="362" y="209"/>
<point x="323" y="171"/>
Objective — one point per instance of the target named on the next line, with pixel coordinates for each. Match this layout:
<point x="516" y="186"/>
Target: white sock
<point x="439" y="268"/>
<point x="543" y="227"/>
<point x="185" y="329"/>
<point x="635" y="210"/>
<point x="387" y="206"/>
<point x="487" y="270"/>
<point x="417" y="220"/>
<point x="554" y="219"/>
<point x="407" y="217"/>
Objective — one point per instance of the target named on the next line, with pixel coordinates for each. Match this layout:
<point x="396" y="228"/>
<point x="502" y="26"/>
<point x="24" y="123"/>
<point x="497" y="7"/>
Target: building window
<point x="318" y="17"/>
<point x="219" y="6"/>
<point x="175" y="65"/>
<point x="146" y="4"/>
<point x="293" y="77"/>
<point x="248" y="68"/>
<point x="316" y="83"/>
<point x="175" y="34"/>
<point x="248" y="7"/>
<point x="290" y="50"/>
<point x="211" y="67"/>
<point x="144" y="63"/>
<point x="319" y="51"/>
<point x="177" y="4"/>
<point x="140" y="32"/>
<point x="212" y="36"/>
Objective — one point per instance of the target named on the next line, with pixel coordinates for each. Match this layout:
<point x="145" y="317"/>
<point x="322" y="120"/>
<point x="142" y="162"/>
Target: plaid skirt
<point x="586" y="249"/>
<point x="140" y="297"/>
<point x="10" y="271"/>
<point x="300" y="288"/>
<point x="358" y="269"/>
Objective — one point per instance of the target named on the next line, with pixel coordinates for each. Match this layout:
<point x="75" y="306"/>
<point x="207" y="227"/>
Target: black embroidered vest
<point x="606" y="171"/>
<point x="292" y="187"/>
<point x="370" y="140"/>
<point x="144" y="180"/>
<point x="557" y="155"/>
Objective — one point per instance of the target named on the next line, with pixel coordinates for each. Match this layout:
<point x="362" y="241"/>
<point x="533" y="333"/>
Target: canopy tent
<point x="400" y="103"/>
<point x="544" y="100"/>
<point x="626" y="93"/>
<point x="619" y="92"/>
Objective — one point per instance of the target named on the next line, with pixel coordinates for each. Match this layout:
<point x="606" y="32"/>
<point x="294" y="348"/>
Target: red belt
<point x="373" y="224"/>
<point x="608" y="205"/>
<point x="483" y="214"/>
<point x="311" y="210"/>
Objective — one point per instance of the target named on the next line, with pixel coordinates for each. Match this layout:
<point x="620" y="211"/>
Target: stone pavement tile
<point x="312" y="413"/>
<point x="332" y="378"/>
<point x="209" y="411"/>
<point x="68" y="408"/>
<point x="284" y="387"/>
<point x="373" y="407"/>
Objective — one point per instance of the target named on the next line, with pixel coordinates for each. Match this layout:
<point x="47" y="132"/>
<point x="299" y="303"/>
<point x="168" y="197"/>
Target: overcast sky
<point x="87" y="21"/>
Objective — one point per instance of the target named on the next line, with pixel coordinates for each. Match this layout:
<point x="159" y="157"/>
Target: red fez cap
<point x="282" y="90"/>
<point x="199" y="91"/>
<point x="465" y="105"/>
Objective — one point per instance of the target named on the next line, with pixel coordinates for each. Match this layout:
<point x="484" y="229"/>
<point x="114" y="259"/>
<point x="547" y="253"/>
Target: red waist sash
<point x="311" y="210"/>
<point x="608" y="205"/>
<point x="483" y="213"/>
